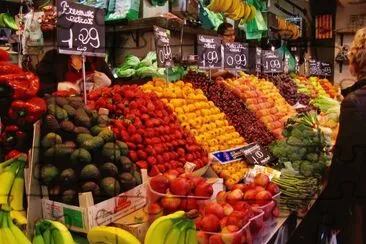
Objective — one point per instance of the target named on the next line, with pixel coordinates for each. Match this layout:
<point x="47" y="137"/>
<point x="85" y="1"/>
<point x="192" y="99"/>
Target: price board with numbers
<point x="258" y="60"/>
<point x="209" y="52"/>
<point x="272" y="62"/>
<point x="255" y="154"/>
<point x="326" y="69"/>
<point x="314" y="67"/>
<point x="80" y="29"/>
<point x="163" y="49"/>
<point x="236" y="56"/>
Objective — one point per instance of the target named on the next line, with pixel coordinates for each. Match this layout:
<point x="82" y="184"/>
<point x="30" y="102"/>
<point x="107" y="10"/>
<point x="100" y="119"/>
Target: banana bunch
<point x="173" y="228"/>
<point x="111" y="235"/>
<point x="9" y="232"/>
<point x="51" y="232"/>
<point x="234" y="9"/>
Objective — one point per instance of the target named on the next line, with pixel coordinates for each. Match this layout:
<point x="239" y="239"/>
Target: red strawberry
<point x="133" y="155"/>
<point x="151" y="160"/>
<point x="131" y="129"/>
<point x="141" y="154"/>
<point x="154" y="171"/>
<point x="136" y="138"/>
<point x="131" y="145"/>
<point x="142" y="164"/>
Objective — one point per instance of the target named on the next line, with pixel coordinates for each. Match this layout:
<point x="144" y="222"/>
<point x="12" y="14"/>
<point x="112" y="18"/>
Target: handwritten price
<point x="211" y="57"/>
<point x="239" y="59"/>
<point x="86" y="37"/>
<point x="165" y="54"/>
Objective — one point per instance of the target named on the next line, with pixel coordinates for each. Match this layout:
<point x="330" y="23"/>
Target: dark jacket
<point x="54" y="66"/>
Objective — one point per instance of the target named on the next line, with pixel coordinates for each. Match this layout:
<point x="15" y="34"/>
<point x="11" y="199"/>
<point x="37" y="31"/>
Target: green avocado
<point x="111" y="151"/>
<point x="68" y="177"/>
<point x="50" y="140"/>
<point x="96" y="129"/>
<point x="110" y="186"/>
<point x="123" y="147"/>
<point x="92" y="187"/>
<point x="80" y="157"/>
<point x="69" y="196"/>
<point x="90" y="172"/>
<point x="93" y="143"/>
<point x="83" y="137"/>
<point x="49" y="174"/>
<point x="127" y="180"/>
<point x="107" y="135"/>
<point x="109" y="169"/>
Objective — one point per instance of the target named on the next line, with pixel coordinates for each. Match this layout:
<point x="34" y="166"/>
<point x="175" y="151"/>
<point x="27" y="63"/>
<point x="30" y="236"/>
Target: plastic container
<point x="242" y="236"/>
<point x="268" y="208"/>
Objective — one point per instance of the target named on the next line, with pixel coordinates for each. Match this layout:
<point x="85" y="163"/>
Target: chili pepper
<point x="12" y="137"/>
<point x="27" y="112"/>
<point x="24" y="85"/>
<point x="12" y="154"/>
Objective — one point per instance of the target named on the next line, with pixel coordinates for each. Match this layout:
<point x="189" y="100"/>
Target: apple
<point x="195" y="180"/>
<point x="263" y="197"/>
<point x="223" y="222"/>
<point x="234" y="196"/>
<point x="188" y="204"/>
<point x="228" y="209"/>
<point x="229" y="235"/>
<point x="204" y="190"/>
<point x="171" y="174"/>
<point x="202" y="237"/>
<point x="159" y="183"/>
<point x="249" y="195"/>
<point x="210" y="223"/>
<point x="261" y="180"/>
<point x="215" y="239"/>
<point x="221" y="197"/>
<point x="154" y="208"/>
<point x="237" y="218"/>
<point x="241" y="206"/>
<point x="170" y="203"/>
<point x="273" y="188"/>
<point x="180" y="186"/>
<point x="240" y="186"/>
<point x="259" y="188"/>
<point x="197" y="223"/>
<point x="276" y="212"/>
<point x="216" y="209"/>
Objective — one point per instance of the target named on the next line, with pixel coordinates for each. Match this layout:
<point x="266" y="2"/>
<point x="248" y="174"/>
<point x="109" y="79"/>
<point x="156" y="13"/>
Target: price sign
<point x="326" y="70"/>
<point x="163" y="49"/>
<point x="236" y="56"/>
<point x="255" y="154"/>
<point x="229" y="156"/>
<point x="313" y="67"/>
<point x="272" y="62"/>
<point x="258" y="60"/>
<point x="80" y="29"/>
<point x="209" y="52"/>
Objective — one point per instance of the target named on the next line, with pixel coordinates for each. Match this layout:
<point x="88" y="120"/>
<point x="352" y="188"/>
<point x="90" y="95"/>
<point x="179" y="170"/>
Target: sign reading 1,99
<point x="80" y="29"/>
<point x="163" y="49"/>
<point x="236" y="56"/>
<point x="209" y="52"/>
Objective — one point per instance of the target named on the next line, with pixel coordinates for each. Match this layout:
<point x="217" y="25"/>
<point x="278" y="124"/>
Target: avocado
<point x="110" y="186"/>
<point x="63" y="150"/>
<point x="109" y="169"/>
<point x="93" y="143"/>
<point x="127" y="181"/>
<point x="50" y="100"/>
<point x="137" y="176"/>
<point x="68" y="177"/>
<point x="51" y="123"/>
<point x="123" y="147"/>
<point x="81" y="118"/>
<point x="51" y="139"/>
<point x="92" y="187"/>
<point x="90" y="172"/>
<point x="69" y="110"/>
<point x="125" y="164"/>
<point x="49" y="174"/>
<point x="95" y="130"/>
<point x="81" y="130"/>
<point x="75" y="102"/>
<point x="69" y="196"/>
<point x="107" y="135"/>
<point x="67" y="126"/>
<point x="103" y="120"/>
<point x="111" y="151"/>
<point x="61" y="101"/>
<point x="57" y="111"/>
<point x="83" y="137"/>
<point x="70" y="144"/>
<point x="80" y="157"/>
<point x="50" y="154"/>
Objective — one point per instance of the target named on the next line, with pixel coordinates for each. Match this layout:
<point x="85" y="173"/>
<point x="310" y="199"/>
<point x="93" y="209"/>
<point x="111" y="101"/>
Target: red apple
<point x="273" y="188"/>
<point x="159" y="183"/>
<point x="215" y="239"/>
<point x="210" y="223"/>
<point x="263" y="197"/>
<point x="171" y="174"/>
<point x="195" y="179"/>
<point x="249" y="195"/>
<point x="154" y="208"/>
<point x="223" y="222"/>
<point x="259" y="188"/>
<point x="188" y="204"/>
<point x="216" y="209"/>
<point x="261" y="180"/>
<point x="240" y="186"/>
<point x="197" y="223"/>
<point x="241" y="206"/>
<point x="228" y="209"/>
<point x="202" y="237"/>
<point x="237" y="218"/>
<point x="234" y="196"/>
<point x="221" y="197"/>
<point x="204" y="190"/>
<point x="170" y="203"/>
<point x="180" y="186"/>
<point x="276" y="212"/>
<point x="229" y="235"/>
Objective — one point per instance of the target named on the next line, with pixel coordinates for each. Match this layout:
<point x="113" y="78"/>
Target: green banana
<point x="60" y="234"/>
<point x="191" y="236"/>
<point x="7" y="236"/>
<point x="175" y="233"/>
<point x="46" y="235"/>
<point x="18" y="234"/>
<point x="38" y="238"/>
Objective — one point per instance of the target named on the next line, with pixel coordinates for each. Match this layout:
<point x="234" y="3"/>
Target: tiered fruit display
<point x="79" y="153"/>
<point x="170" y="192"/>
<point x="263" y="99"/>
<point x="328" y="87"/>
<point x="235" y="9"/>
<point x="315" y="82"/>
<point x="177" y="227"/>
<point x="111" y="235"/>
<point x="259" y="194"/>
<point x="200" y="116"/>
<point x="237" y="113"/>
<point x="154" y="136"/>
<point x="310" y="86"/>
<point x="49" y="231"/>
<point x="232" y="173"/>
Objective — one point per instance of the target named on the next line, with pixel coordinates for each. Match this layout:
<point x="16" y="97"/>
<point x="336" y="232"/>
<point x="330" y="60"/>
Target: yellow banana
<point x="226" y="4"/>
<point x="4" y="165"/>
<point x="7" y="179"/>
<point x="60" y="234"/>
<point x="18" y="217"/>
<point x="158" y="229"/>
<point x="17" y="190"/>
<point x="111" y="235"/>
<point x="213" y="5"/>
<point x="17" y="233"/>
<point x="7" y="235"/>
<point x="191" y="236"/>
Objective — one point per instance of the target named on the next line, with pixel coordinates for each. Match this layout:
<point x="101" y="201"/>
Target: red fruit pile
<point x="178" y="192"/>
<point x="151" y="130"/>
<point x="227" y="221"/>
<point x="244" y="121"/>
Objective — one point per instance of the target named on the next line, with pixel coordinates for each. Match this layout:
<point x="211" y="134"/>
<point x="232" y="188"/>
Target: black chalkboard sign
<point x="313" y="67"/>
<point x="209" y="52"/>
<point x="162" y="46"/>
<point x="258" y="60"/>
<point x="80" y="29"/>
<point x="326" y="69"/>
<point x="255" y="154"/>
<point x="236" y="56"/>
<point x="272" y="62"/>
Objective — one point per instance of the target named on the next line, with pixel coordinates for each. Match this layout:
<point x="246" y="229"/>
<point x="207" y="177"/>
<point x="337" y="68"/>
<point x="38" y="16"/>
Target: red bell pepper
<point x="12" y="154"/>
<point x="27" y="112"/>
<point x="12" y="137"/>
<point x="24" y="85"/>
<point x="6" y="68"/>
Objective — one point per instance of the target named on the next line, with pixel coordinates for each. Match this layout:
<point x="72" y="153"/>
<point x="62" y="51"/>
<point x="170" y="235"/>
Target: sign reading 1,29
<point x="80" y="29"/>
<point x="209" y="52"/>
<point x="236" y="56"/>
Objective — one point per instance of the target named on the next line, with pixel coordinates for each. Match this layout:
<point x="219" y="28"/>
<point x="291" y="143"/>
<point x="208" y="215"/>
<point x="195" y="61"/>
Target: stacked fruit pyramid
<point x="154" y="136"/>
<point x="310" y="86"/>
<point x="205" y="121"/>
<point x="263" y="99"/>
<point x="328" y="87"/>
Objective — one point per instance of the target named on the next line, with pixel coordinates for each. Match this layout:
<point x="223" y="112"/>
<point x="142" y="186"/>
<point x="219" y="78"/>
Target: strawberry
<point x="150" y="150"/>
<point x="151" y="160"/>
<point x="140" y="146"/>
<point x="166" y="157"/>
<point x="132" y="154"/>
<point x="142" y="164"/>
<point x="161" y="168"/>
<point x="131" y="129"/>
<point x="136" y="138"/>
<point x="131" y="145"/>
<point x="149" y="123"/>
<point x="141" y="154"/>
<point x="154" y="171"/>
<point x="159" y="159"/>
<point x="181" y="152"/>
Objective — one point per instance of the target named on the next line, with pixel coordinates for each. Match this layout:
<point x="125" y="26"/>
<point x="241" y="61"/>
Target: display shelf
<point x="148" y="23"/>
<point x="270" y="229"/>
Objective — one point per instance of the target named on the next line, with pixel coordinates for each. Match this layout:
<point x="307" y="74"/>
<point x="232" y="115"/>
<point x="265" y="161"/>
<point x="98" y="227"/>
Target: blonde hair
<point x="357" y="53"/>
